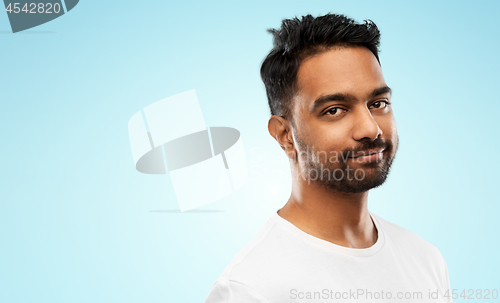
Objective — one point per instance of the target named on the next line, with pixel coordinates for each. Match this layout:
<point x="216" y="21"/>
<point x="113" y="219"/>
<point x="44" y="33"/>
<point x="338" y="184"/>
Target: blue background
<point x="79" y="224"/>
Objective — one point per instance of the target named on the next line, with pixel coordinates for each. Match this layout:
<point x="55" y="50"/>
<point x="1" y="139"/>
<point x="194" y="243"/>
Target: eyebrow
<point x="347" y="97"/>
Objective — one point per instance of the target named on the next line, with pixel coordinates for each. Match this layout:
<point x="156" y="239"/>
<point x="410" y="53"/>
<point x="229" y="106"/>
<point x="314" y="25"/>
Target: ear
<point x="281" y="130"/>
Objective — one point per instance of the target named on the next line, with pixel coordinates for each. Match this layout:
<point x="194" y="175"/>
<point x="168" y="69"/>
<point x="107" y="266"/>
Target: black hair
<point x="299" y="39"/>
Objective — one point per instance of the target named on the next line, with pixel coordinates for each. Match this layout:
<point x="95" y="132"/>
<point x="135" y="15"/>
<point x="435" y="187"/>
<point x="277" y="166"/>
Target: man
<point x="332" y="115"/>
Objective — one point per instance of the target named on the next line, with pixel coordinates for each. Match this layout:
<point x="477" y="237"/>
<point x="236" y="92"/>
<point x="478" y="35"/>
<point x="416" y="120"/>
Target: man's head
<point x="329" y="101"/>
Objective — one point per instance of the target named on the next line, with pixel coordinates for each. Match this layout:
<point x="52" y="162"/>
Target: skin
<point x="322" y="208"/>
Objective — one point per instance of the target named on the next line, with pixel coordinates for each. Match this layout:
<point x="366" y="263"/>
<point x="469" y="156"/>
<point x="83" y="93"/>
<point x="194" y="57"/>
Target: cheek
<point x="394" y="129"/>
<point x="328" y="138"/>
<point x="389" y="129"/>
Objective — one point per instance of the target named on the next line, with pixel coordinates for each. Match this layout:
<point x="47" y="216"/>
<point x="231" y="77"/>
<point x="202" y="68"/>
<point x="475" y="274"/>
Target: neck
<point x="340" y="218"/>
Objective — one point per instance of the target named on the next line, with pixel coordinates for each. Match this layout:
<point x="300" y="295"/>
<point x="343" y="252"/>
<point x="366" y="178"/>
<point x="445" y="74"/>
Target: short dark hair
<point x="299" y="39"/>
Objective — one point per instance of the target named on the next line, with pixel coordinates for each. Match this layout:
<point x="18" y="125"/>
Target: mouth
<point x="369" y="152"/>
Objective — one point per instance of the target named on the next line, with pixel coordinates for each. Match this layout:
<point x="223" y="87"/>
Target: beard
<point x="335" y="174"/>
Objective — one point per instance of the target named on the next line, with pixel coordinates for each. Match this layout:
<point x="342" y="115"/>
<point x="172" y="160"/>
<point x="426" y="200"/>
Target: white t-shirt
<point x="282" y="264"/>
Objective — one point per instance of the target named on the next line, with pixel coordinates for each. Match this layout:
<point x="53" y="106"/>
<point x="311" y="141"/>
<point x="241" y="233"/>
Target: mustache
<point x="367" y="145"/>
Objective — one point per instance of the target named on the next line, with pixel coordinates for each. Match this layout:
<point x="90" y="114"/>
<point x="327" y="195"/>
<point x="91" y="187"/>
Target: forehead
<point x="347" y="70"/>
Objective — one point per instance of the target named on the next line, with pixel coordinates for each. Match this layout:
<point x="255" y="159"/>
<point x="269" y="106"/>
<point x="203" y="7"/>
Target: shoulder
<point x="229" y="291"/>
<point x="405" y="240"/>
<point x="266" y="259"/>
<point x="255" y="257"/>
<point x="240" y="280"/>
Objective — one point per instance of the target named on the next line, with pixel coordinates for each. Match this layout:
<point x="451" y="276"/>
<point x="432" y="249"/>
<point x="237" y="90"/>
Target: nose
<point x="365" y="126"/>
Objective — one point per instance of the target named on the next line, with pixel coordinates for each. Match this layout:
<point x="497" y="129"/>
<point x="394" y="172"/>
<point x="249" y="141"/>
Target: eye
<point x="380" y="104"/>
<point x="334" y="111"/>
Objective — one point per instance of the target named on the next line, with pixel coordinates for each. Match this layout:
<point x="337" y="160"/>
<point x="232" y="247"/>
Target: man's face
<point x="341" y="112"/>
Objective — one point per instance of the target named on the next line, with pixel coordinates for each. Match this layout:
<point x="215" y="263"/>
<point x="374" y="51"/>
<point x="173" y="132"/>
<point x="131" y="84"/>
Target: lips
<point x="369" y="152"/>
